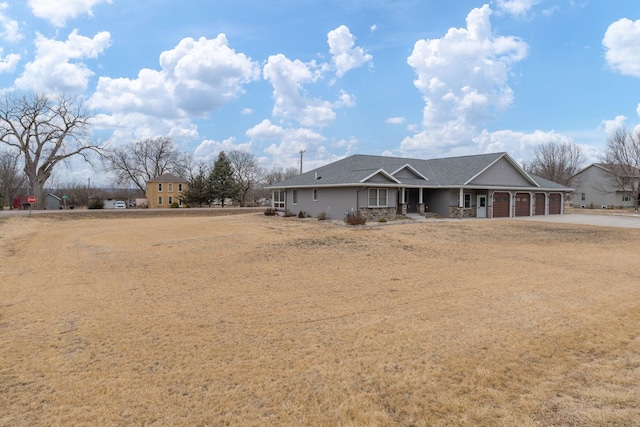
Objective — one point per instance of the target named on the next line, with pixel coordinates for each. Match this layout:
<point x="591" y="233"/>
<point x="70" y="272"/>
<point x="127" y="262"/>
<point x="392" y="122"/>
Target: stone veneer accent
<point x="375" y="214"/>
<point x="455" y="212"/>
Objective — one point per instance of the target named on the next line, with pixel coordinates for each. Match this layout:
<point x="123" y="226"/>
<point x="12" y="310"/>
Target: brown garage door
<point x="500" y="205"/>
<point x="540" y="202"/>
<point x="523" y="204"/>
<point x="555" y="204"/>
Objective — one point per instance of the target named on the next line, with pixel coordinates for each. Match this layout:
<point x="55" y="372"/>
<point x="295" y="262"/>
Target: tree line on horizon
<point x="39" y="132"/>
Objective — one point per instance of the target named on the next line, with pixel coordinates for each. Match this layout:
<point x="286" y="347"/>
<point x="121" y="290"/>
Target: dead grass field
<point x="252" y="320"/>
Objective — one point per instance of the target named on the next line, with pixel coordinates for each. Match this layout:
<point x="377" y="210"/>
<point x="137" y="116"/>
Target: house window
<point x="377" y="197"/>
<point x="626" y="197"/>
<point x="467" y="201"/>
<point x="170" y="199"/>
<point x="583" y="197"/>
<point x="159" y="187"/>
<point x="160" y="200"/>
<point x="180" y="187"/>
<point x="295" y="197"/>
<point x="170" y="189"/>
<point x="315" y="195"/>
<point x="278" y="199"/>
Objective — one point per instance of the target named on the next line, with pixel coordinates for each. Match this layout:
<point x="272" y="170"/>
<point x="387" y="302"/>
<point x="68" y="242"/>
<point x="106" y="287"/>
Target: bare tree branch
<point x="556" y="162"/>
<point x="622" y="158"/>
<point x="246" y="171"/>
<point x="45" y="131"/>
<point x="144" y="160"/>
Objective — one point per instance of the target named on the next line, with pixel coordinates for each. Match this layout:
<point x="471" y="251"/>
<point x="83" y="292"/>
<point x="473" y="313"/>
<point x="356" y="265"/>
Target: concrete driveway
<point x="622" y="220"/>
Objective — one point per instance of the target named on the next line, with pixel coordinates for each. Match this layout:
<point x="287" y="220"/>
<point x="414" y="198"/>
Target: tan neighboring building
<point x="165" y="189"/>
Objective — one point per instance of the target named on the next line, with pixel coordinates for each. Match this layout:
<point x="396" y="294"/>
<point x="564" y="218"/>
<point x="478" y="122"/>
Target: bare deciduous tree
<point x="273" y="176"/>
<point x="45" y="131"/>
<point x="622" y="156"/>
<point x="144" y="160"/>
<point x="277" y="174"/>
<point x="12" y="179"/>
<point x="557" y="162"/>
<point x="246" y="171"/>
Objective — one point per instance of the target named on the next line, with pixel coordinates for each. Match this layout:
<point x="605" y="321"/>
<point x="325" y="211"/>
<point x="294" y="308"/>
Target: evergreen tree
<point x="197" y="192"/>
<point x="222" y="185"/>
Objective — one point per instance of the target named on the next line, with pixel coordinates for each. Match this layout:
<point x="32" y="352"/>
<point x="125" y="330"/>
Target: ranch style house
<point x="482" y="186"/>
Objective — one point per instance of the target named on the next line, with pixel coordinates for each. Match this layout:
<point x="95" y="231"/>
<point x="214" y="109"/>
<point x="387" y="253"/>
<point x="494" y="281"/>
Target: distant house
<point x="483" y="186"/>
<point x="52" y="202"/>
<point x="164" y="190"/>
<point x="596" y="186"/>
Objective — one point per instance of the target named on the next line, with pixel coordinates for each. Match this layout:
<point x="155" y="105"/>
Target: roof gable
<point x="500" y="171"/>
<point x="380" y="176"/>
<point x="408" y="172"/>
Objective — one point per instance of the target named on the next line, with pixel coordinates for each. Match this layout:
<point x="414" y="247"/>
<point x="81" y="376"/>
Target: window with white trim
<point x="170" y="200"/>
<point x="160" y="187"/>
<point x="179" y="187"/>
<point x="583" y="196"/>
<point x="626" y="197"/>
<point x="377" y="197"/>
<point x="315" y="195"/>
<point x="160" y="200"/>
<point x="278" y="199"/>
<point x="467" y="200"/>
<point x="294" y="196"/>
<point x="170" y="189"/>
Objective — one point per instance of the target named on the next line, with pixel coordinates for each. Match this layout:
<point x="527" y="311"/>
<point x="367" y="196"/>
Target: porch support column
<point x="546" y="203"/>
<point x="420" y="202"/>
<point x="403" y="202"/>
<point x="461" y="203"/>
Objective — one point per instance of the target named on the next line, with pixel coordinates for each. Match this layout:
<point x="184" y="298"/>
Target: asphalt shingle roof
<point x="445" y="172"/>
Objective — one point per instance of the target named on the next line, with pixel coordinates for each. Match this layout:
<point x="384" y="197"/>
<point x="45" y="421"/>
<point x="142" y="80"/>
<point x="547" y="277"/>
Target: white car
<point x="120" y="205"/>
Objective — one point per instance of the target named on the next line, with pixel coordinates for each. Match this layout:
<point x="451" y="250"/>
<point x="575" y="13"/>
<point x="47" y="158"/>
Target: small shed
<point x="52" y="202"/>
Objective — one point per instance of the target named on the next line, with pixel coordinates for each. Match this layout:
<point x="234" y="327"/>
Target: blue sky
<point x="410" y="78"/>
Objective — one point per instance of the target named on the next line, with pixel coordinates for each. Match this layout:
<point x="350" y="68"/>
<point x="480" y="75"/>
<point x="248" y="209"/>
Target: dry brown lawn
<point x="252" y="320"/>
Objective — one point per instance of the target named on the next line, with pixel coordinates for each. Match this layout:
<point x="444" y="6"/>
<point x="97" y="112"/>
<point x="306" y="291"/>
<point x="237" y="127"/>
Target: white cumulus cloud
<point x="9" y="28"/>
<point x="516" y="7"/>
<point x="208" y="150"/>
<point x="622" y="44"/>
<point x="395" y="120"/>
<point x="197" y="77"/>
<point x="57" y="12"/>
<point x="463" y="78"/>
<point x="345" y="55"/>
<point x="58" y="64"/>
<point x="288" y="79"/>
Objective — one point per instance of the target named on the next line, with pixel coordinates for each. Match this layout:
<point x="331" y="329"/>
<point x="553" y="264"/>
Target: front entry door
<point x="482" y="206"/>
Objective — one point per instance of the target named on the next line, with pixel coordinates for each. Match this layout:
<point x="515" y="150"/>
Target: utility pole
<point x="301" y="153"/>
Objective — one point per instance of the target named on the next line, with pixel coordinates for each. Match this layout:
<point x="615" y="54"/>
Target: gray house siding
<point x="406" y="173"/>
<point x="334" y="202"/>
<point x="596" y="187"/>
<point x="500" y="172"/>
<point x="438" y="201"/>
<point x="379" y="178"/>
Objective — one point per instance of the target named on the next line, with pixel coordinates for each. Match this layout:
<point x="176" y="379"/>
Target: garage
<point x="541" y="200"/>
<point x="501" y="205"/>
<point x="523" y="204"/>
<point x="555" y="204"/>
